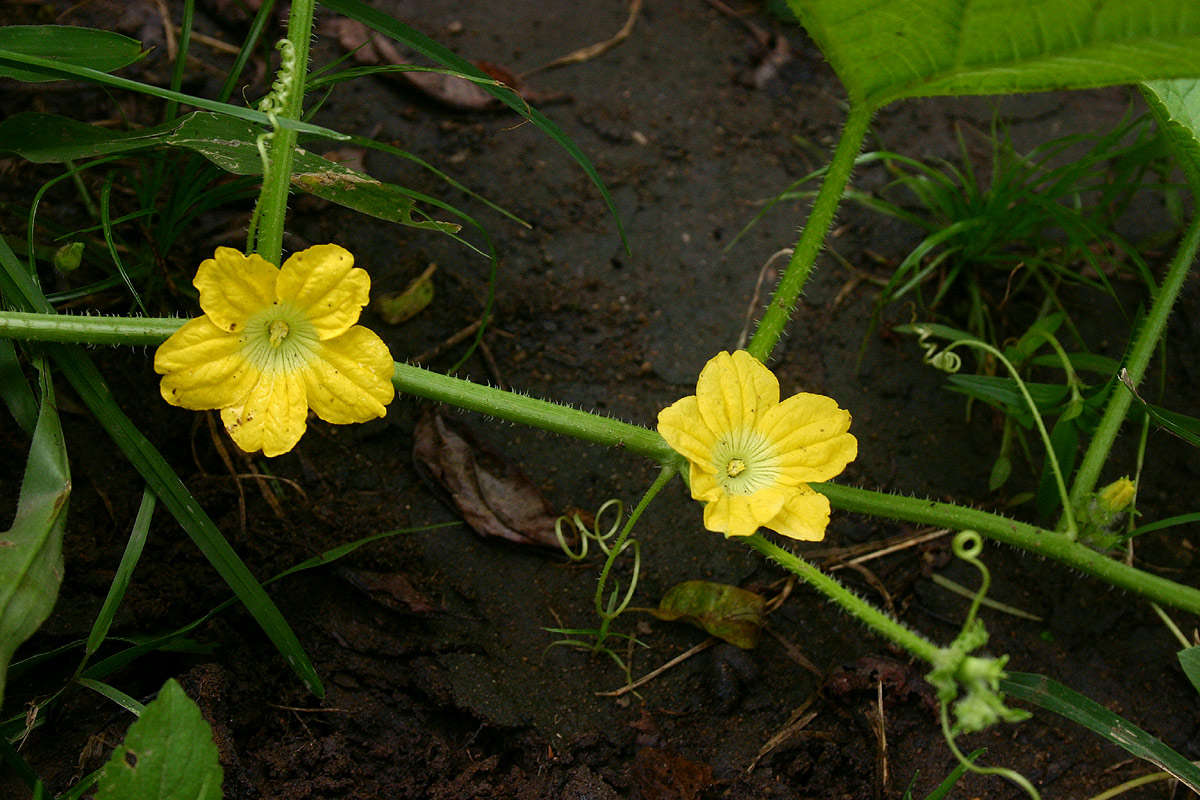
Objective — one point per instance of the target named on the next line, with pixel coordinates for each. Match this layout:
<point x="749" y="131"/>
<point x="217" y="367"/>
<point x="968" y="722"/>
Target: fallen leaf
<point x="371" y="48"/>
<point x="492" y="494"/>
<point x="398" y="307"/>
<point x="663" y="775"/>
<point x="725" y="611"/>
<point x="392" y="590"/>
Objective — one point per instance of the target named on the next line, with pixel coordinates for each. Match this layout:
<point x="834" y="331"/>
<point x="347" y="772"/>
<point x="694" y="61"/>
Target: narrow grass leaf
<point x="114" y="694"/>
<point x="391" y="27"/>
<point x="15" y="390"/>
<point x="1053" y="696"/>
<point x="884" y="50"/>
<point x="1181" y="425"/>
<point x="120" y="581"/>
<point x="8" y="58"/>
<point x="19" y="290"/>
<point x="100" y="50"/>
<point x="31" y="562"/>
<point x="168" y="754"/>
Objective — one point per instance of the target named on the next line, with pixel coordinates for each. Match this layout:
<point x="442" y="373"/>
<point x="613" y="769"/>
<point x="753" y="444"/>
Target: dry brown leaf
<point x="492" y="494"/>
<point x="372" y="48"/>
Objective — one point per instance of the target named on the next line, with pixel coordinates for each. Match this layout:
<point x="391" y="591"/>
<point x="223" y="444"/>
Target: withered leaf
<point x="492" y="494"/>
<point x="372" y="48"/>
<point x="392" y="590"/>
<point x="727" y="612"/>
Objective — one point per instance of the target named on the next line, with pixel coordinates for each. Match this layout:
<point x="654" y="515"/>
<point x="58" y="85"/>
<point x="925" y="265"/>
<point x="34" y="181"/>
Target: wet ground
<point x="433" y="644"/>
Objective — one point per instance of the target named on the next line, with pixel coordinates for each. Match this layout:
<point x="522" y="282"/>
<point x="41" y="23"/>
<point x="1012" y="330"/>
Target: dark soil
<point x="433" y="645"/>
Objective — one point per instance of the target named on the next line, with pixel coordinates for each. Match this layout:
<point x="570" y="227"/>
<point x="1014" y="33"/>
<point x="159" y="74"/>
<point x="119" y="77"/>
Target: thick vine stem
<point x="1139" y="357"/>
<point x="812" y="237"/>
<point x="277" y="176"/>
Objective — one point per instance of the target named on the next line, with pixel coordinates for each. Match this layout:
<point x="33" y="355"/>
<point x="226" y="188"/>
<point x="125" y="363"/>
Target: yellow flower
<point x="752" y="456"/>
<point x="276" y="341"/>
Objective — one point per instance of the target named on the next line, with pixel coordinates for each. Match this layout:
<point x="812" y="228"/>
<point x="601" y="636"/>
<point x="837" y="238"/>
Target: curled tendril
<point x="946" y="360"/>
<point x="606" y="534"/>
<point x="968" y="545"/>
<point x="587" y="534"/>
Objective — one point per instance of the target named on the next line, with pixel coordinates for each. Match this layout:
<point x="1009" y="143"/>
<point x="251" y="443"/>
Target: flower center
<point x="745" y="462"/>
<point x="277" y="331"/>
<point x="280" y="338"/>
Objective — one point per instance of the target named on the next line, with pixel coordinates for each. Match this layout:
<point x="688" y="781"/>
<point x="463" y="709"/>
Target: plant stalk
<point x="277" y="175"/>
<point x="851" y="603"/>
<point x="812" y="237"/>
<point x="1139" y="358"/>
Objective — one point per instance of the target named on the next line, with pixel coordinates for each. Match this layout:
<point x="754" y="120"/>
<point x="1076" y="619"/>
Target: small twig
<point x="796" y="723"/>
<point x="594" y="50"/>
<point x="168" y="29"/>
<point x="794" y="653"/>
<point x="455" y="338"/>
<point x="757" y="298"/>
<point x="216" y="44"/>
<point x="677" y="660"/>
<point x="959" y="589"/>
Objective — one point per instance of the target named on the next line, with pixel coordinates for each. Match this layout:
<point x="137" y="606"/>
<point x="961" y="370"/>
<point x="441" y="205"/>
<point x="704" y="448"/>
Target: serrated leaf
<point x="883" y="50"/>
<point x="168" y="754"/>
<point x="31" y="563"/>
<point x="85" y="47"/>
<point x="725" y="611"/>
<point x="1176" y="108"/>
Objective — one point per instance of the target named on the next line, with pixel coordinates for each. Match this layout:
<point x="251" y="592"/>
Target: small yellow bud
<point x="1117" y="496"/>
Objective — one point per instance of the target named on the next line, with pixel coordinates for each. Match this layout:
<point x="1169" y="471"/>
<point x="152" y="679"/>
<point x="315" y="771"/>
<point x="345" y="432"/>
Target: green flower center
<point x="279" y="339"/>
<point x="745" y="462"/>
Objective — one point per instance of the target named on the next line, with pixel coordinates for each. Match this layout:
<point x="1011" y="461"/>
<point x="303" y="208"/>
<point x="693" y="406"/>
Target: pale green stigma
<point x="745" y="462"/>
<point x="279" y="339"/>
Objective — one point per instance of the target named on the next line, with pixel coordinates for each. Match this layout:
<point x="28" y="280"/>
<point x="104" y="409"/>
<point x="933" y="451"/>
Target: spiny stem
<point x="812" y="238"/>
<point x="1139" y="357"/>
<point x="277" y="177"/>
<point x="910" y="640"/>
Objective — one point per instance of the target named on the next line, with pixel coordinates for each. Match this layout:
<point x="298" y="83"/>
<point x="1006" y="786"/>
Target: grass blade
<point x="1053" y="696"/>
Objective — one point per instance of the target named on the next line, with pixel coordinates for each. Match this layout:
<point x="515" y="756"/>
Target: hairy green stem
<point x="615" y="433"/>
<point x="534" y="412"/>
<point x="812" y="237"/>
<point x="851" y="603"/>
<point x="277" y="177"/>
<point x="91" y="330"/>
<point x="1018" y="534"/>
<point x="1139" y="357"/>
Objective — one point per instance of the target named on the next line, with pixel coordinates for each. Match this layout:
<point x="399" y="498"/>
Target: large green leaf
<point x="1176" y="108"/>
<point x="168" y="754"/>
<point x="86" y="47"/>
<point x="31" y="563"/>
<point x="883" y="50"/>
<point x="227" y="142"/>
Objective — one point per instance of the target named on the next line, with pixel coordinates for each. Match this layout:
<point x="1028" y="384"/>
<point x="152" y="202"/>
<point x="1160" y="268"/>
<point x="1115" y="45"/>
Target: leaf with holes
<point x="168" y="754"/>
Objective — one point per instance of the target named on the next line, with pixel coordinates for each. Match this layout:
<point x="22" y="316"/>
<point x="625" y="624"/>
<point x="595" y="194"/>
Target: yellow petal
<point x="272" y="419"/>
<point x="733" y="390"/>
<point x="730" y="515"/>
<point x="203" y="367"/>
<point x="703" y="484"/>
<point x="681" y="426"/>
<point x="234" y="286"/>
<point x="808" y="435"/>
<point x="351" y="380"/>
<point x="804" y="515"/>
<point x="323" y="282"/>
